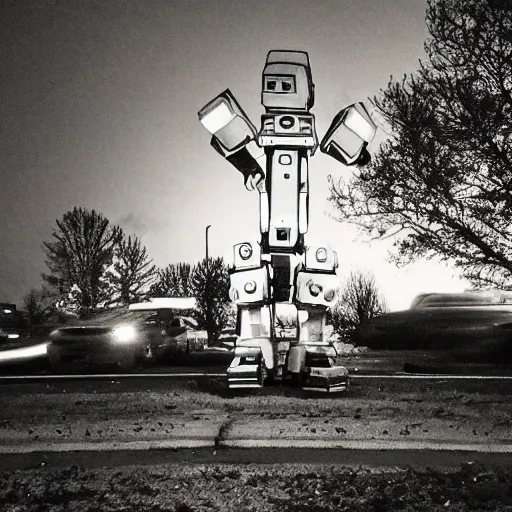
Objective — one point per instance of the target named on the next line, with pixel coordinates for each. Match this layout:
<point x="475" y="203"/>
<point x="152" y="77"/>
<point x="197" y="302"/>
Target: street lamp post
<point x="207" y="285"/>
<point x="206" y="236"/>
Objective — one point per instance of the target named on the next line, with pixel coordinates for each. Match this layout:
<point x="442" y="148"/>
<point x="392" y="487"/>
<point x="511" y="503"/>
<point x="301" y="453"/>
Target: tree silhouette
<point x="175" y="280"/>
<point x="210" y="284"/>
<point x="38" y="304"/>
<point x="131" y="272"/>
<point x="82" y="249"/>
<point x="359" y="300"/>
<point x="441" y="185"/>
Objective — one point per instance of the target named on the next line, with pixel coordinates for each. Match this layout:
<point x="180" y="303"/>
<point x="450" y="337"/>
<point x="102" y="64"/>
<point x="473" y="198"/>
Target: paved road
<point x="354" y="458"/>
<point x="371" y="363"/>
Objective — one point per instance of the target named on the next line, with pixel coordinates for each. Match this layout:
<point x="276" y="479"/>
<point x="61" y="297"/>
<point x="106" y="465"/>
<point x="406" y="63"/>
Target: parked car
<point x="473" y="326"/>
<point x="12" y="322"/>
<point x="127" y="336"/>
<point x="4" y="336"/>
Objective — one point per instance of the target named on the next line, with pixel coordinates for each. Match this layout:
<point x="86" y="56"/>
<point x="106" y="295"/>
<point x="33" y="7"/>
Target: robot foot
<point x="246" y="372"/>
<point x="330" y="380"/>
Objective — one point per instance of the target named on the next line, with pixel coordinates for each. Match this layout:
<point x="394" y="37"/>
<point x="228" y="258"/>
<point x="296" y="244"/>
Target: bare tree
<point x="359" y="300"/>
<point x="82" y="249"/>
<point x="441" y="185"/>
<point x="132" y="272"/>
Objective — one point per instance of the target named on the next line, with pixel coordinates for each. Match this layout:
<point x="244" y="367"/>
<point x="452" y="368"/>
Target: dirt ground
<point x="231" y="488"/>
<point x="482" y="407"/>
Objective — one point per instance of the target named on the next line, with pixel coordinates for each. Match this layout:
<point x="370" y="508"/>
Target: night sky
<point x="98" y="108"/>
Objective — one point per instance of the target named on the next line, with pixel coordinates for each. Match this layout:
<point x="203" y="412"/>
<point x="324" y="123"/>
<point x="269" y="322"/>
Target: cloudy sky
<point x="98" y="108"/>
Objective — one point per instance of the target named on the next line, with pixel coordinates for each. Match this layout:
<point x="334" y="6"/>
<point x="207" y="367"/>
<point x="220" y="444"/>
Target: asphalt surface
<point x="370" y="363"/>
<point x="417" y="459"/>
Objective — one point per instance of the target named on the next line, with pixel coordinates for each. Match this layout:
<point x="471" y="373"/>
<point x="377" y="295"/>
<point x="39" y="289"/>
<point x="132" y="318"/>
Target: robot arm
<point x="232" y="132"/>
<point x="244" y="162"/>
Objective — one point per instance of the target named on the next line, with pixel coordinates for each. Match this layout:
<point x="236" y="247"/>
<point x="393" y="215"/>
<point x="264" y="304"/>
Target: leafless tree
<point x="82" y="249"/>
<point x="441" y="184"/>
<point x="132" y="271"/>
<point x="359" y="300"/>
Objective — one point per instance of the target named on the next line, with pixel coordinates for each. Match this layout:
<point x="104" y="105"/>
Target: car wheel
<point x="128" y="363"/>
<point x="262" y="372"/>
<point x="54" y="358"/>
<point x="297" y="379"/>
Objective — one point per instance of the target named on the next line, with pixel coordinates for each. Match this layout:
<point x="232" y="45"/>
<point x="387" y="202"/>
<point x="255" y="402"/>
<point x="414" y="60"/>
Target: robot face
<point x="287" y="82"/>
<point x="279" y="84"/>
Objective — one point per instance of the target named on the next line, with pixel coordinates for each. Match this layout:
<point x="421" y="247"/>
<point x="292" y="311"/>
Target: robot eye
<point x="287" y="86"/>
<point x="271" y="85"/>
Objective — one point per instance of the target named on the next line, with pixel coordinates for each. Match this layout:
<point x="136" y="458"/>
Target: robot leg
<point x="254" y="353"/>
<point x="312" y="360"/>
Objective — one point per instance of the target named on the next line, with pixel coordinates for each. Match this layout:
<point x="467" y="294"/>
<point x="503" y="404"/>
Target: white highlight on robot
<point x="220" y="116"/>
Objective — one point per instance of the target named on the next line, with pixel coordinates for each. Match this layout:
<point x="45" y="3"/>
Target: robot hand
<point x="253" y="180"/>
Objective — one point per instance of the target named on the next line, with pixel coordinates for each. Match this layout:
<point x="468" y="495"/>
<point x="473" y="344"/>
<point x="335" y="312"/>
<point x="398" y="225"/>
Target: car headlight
<point x="125" y="333"/>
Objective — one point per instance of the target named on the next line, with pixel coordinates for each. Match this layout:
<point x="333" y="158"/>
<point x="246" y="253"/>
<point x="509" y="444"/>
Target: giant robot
<point x="282" y="271"/>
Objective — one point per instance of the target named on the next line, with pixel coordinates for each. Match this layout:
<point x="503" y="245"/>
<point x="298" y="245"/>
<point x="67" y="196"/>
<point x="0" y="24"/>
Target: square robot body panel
<point x="287" y="82"/>
<point x="321" y="258"/>
<point x="288" y="129"/>
<point x="247" y="255"/>
<point x="249" y="286"/>
<point x="313" y="289"/>
<point x="284" y="199"/>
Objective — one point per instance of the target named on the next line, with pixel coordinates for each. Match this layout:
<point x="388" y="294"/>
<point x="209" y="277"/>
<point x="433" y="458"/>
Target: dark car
<point x="124" y="337"/>
<point x="13" y="324"/>
<point x="474" y="326"/>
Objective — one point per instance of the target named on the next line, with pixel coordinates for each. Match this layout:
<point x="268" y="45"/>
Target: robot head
<point x="287" y="82"/>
